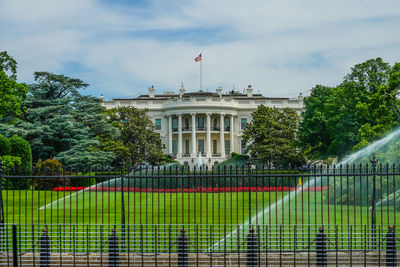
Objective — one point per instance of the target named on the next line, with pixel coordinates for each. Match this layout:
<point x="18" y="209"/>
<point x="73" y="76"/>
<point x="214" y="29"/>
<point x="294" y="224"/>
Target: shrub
<point x="49" y="167"/>
<point x="21" y="148"/>
<point x="5" y="146"/>
<point x="10" y="162"/>
<point x="236" y="160"/>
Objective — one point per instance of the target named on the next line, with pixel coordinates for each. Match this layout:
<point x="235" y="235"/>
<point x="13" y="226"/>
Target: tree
<point x="342" y="123"/>
<point x="271" y="136"/>
<point x="12" y="94"/>
<point x="373" y="110"/>
<point x="61" y="123"/>
<point x="138" y="136"/>
<point x="313" y="130"/>
<point x="8" y="65"/>
<point x="363" y="108"/>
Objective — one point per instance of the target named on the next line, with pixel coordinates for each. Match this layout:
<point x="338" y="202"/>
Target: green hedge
<point x="21" y="148"/>
<point x="5" y="146"/>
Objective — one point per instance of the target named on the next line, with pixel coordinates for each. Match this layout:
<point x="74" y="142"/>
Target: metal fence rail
<point x="195" y="245"/>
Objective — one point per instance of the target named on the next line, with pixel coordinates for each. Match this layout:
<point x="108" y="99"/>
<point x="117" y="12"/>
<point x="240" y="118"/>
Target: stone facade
<point x="206" y="122"/>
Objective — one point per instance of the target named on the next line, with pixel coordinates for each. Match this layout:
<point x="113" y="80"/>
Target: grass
<point x="209" y="216"/>
<point x="49" y="207"/>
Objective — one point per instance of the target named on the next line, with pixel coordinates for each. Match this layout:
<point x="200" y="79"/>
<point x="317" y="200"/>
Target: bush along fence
<point x="253" y="215"/>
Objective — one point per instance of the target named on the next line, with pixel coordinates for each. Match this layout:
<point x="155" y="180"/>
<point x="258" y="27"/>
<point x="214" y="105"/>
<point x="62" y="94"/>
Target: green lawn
<point x="49" y="207"/>
<point x="209" y="218"/>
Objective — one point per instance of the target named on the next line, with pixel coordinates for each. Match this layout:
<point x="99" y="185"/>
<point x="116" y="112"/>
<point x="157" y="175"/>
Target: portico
<point x="210" y="133"/>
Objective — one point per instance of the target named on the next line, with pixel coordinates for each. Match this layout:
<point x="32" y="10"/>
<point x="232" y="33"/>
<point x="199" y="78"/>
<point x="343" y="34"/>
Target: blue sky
<point x="123" y="47"/>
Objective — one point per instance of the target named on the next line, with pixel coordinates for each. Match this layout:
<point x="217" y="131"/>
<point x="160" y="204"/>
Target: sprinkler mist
<point x="383" y="149"/>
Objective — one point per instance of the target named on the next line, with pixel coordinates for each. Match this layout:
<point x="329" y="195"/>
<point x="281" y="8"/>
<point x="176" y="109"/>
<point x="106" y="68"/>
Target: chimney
<point x="300" y="97"/>
<point x="181" y="91"/>
<point x="249" y="91"/>
<point x="219" y="91"/>
<point x="151" y="92"/>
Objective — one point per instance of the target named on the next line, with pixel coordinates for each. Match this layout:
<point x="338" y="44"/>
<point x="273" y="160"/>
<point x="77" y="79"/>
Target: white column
<point x="208" y="135"/>
<point x="170" y="134"/>
<point x="231" y="134"/>
<point x="179" y="136"/>
<point x="221" y="136"/>
<point x="193" y="155"/>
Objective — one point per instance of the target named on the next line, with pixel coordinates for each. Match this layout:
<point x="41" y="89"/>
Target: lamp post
<point x="373" y="211"/>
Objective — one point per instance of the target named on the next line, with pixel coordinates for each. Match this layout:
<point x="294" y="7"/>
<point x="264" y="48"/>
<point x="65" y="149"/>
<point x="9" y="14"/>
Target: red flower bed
<point x="69" y="188"/>
<point x="193" y="190"/>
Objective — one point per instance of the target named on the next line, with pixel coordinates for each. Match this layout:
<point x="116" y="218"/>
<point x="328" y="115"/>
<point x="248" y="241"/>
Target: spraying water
<point x="263" y="213"/>
<point x="112" y="183"/>
<point x="383" y="145"/>
<point x="366" y="152"/>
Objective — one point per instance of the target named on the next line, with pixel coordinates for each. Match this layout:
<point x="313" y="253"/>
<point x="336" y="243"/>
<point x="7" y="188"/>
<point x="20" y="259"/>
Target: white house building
<point x="206" y="122"/>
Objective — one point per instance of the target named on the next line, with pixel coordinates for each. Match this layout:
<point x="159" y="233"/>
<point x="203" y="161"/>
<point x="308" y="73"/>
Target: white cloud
<point x="280" y="48"/>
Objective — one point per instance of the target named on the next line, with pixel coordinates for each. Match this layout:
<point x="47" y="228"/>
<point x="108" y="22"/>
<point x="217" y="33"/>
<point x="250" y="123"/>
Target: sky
<point x="123" y="47"/>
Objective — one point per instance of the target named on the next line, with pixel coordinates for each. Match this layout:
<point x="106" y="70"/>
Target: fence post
<point x="373" y="212"/>
<point x="252" y="248"/>
<point x="320" y="247"/>
<point x="183" y="254"/>
<point x="15" y="245"/>
<point x="391" y="257"/>
<point x="44" y="249"/>
<point x="2" y="229"/>
<point x="248" y="162"/>
<point x="122" y="204"/>
<point x="113" y="255"/>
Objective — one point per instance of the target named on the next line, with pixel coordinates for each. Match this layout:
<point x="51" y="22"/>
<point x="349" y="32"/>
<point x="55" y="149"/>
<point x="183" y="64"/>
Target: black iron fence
<point x="254" y="215"/>
<point x="196" y="245"/>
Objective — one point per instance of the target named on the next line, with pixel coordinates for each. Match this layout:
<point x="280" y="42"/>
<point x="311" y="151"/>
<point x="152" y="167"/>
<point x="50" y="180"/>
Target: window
<point x="201" y="145"/>
<point x="214" y="146"/>
<point x="215" y="121"/>
<point x="242" y="147"/>
<point x="174" y="147"/>
<point x="174" y="124"/>
<point x="200" y="123"/>
<point x="186" y="146"/>
<point x="227" y="147"/>
<point x="187" y="123"/>
<point x="158" y="124"/>
<point x="227" y="124"/>
<point x="243" y="123"/>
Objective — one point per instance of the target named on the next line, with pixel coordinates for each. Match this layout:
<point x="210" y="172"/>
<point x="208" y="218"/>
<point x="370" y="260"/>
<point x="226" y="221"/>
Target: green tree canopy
<point x="271" y="136"/>
<point x="12" y="93"/>
<point x="139" y="140"/>
<point x="363" y="108"/>
<point x="313" y="132"/>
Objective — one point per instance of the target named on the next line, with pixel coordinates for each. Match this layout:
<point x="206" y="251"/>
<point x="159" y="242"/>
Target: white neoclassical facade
<point x="202" y="122"/>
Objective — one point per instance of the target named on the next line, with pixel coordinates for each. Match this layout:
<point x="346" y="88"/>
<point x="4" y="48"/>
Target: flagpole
<point x="201" y="71"/>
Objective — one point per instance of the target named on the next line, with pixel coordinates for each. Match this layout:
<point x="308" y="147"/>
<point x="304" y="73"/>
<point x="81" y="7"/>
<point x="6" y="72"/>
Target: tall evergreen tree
<point x="61" y="123"/>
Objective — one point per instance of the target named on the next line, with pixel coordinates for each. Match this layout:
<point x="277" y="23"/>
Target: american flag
<point x="198" y="58"/>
